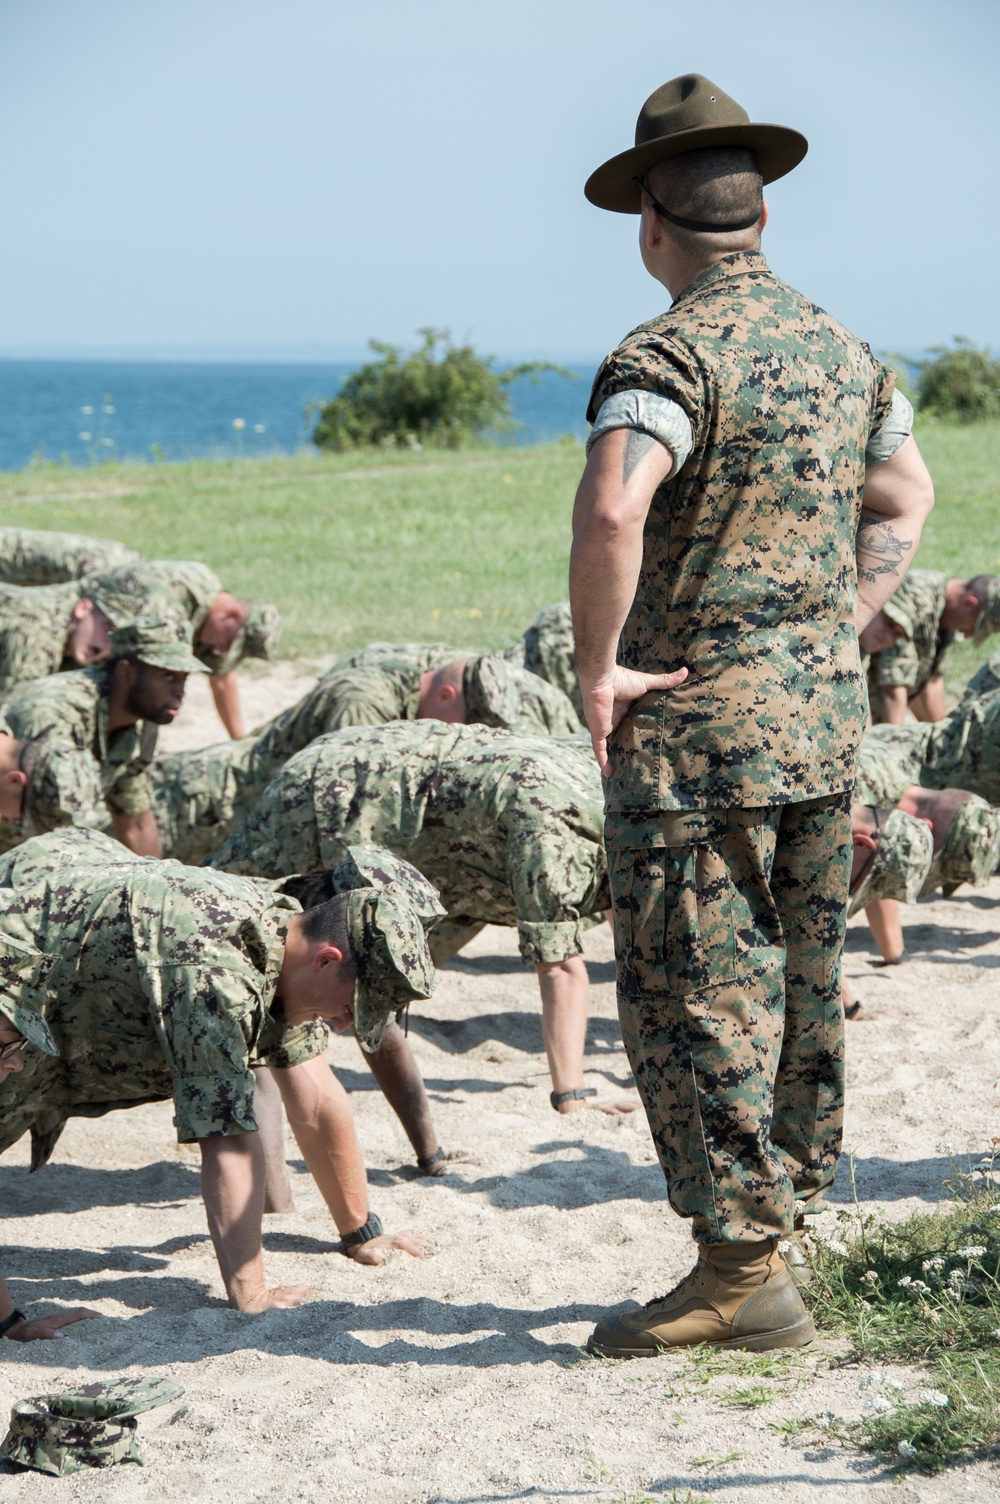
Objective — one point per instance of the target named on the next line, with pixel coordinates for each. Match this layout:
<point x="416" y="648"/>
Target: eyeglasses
<point x="11" y="1048"/>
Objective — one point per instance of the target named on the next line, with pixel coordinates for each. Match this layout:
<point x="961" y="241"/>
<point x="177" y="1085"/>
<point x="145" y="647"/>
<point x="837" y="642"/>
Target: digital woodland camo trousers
<point x="729" y="926"/>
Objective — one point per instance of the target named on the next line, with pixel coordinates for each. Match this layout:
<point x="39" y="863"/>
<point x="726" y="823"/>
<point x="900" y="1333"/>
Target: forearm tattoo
<point x="637" y="445"/>
<point x="879" y="550"/>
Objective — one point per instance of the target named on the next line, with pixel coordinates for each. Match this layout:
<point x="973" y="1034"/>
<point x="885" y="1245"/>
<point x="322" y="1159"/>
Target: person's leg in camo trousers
<point x="728" y="938"/>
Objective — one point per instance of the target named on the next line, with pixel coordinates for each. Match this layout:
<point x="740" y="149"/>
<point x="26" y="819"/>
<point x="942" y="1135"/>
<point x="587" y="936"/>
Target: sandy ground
<point x="458" y="1379"/>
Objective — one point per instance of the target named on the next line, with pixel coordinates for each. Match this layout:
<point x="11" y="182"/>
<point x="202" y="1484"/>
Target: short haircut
<point x="979" y="586"/>
<point x="324" y="917"/>
<point x="716" y="185"/>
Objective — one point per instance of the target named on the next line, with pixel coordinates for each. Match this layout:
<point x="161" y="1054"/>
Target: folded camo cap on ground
<point x="93" y="1426"/>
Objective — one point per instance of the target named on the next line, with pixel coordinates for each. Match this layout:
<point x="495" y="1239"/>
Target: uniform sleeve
<point x="882" y="395"/>
<point x="551" y="870"/>
<point x="65" y="789"/>
<point x="894" y="432"/>
<point x="128" y="793"/>
<point x="648" y="362"/>
<point x="293" y="1046"/>
<point x="898" y="665"/>
<point x="645" y="412"/>
<point x="206" y="1019"/>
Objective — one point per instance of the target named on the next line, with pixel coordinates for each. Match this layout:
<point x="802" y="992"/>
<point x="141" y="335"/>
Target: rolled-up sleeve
<point x="646" y="412"/>
<point x="894" y="432"/>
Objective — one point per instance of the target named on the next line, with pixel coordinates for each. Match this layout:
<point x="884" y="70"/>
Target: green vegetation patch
<point x="924" y="1291"/>
<point x="463" y="546"/>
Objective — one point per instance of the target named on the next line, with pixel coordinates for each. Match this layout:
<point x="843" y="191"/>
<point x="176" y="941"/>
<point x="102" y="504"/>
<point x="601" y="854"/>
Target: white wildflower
<point x="932" y="1397"/>
<point x="879" y="1403"/>
<point x="996" y="1334"/>
<point x="929" y="1264"/>
<point x="920" y="1287"/>
<point x="869" y="1277"/>
<point x="260" y="428"/>
<point x="85" y="438"/>
<point x="835" y="1246"/>
<point x="974" y="1252"/>
<point x="107" y="408"/>
<point x="108" y="443"/>
<point x="906" y="1449"/>
<point x="239" y="424"/>
<point x="907" y="1279"/>
<point x="86" y="412"/>
<point x="894" y="1383"/>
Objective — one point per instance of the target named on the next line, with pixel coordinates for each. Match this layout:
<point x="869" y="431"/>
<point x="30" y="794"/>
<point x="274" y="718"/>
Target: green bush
<point x="960" y="381"/>
<point x="442" y="395"/>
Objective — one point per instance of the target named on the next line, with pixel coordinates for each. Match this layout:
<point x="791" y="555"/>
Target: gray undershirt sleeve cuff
<point x="894" y="431"/>
<point x="661" y="418"/>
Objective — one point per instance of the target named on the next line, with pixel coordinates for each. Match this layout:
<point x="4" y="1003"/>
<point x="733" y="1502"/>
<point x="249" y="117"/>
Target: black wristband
<point x="557" y="1098"/>
<point x="432" y="1159"/>
<point x="364" y="1234"/>
<point x="11" y="1320"/>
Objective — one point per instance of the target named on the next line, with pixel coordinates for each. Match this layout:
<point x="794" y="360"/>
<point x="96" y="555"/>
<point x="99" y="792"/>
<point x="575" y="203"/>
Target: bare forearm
<point x="565" y="990"/>
<point x="320" y="1117"/>
<point x="895" y="703"/>
<point x="138" y="833"/>
<point x="622" y="473"/>
<point x="232" y="1187"/>
<point x="226" y="694"/>
<point x="898" y="497"/>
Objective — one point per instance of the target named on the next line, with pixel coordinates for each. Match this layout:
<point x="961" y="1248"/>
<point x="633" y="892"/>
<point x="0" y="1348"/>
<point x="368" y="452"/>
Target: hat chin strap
<point x="702" y="226"/>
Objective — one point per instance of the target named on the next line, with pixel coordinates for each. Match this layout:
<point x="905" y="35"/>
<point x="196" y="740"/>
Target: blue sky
<point x="254" y="178"/>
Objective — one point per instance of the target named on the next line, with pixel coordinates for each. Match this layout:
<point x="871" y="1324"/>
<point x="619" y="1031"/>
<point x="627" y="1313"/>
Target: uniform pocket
<point x="674" y="929"/>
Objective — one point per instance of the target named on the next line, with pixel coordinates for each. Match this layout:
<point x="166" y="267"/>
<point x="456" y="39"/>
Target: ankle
<point x="741" y="1263"/>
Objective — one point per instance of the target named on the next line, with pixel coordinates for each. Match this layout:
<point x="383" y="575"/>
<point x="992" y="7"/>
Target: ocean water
<point x="97" y="410"/>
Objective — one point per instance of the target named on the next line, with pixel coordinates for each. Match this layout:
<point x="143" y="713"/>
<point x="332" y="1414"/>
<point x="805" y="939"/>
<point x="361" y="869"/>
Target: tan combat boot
<point x="737" y="1295"/>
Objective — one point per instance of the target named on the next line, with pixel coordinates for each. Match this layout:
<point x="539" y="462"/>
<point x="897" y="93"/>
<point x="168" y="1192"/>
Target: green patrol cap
<point x="899" y="864"/>
<point x="93" y="1426"/>
<point x="23" y="974"/>
<point x="491" y="695"/>
<point x="896" y="612"/>
<point x="161" y="641"/>
<point x="988" y="620"/>
<point x="390" y="952"/>
<point x="970" y="851"/>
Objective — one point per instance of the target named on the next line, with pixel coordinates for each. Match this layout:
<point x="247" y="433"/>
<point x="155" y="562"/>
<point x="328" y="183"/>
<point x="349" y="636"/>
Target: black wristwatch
<point x="371" y="1229"/>
<point x="11" y="1320"/>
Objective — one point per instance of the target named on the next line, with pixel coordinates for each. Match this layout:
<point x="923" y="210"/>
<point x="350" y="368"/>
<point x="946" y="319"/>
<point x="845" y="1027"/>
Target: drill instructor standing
<point x="722" y="555"/>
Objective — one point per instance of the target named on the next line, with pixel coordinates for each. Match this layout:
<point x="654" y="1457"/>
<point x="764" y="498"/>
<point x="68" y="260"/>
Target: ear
<point x="863" y="839"/>
<point x="125" y="673"/>
<point x="970" y="601"/>
<point x="14" y="778"/>
<point x="652" y="228"/>
<point x="325" y="955"/>
<point x="765" y="213"/>
<point x="447" y="692"/>
<point x="83" y="608"/>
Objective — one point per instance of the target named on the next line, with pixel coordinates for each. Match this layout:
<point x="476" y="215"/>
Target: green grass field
<point x="461" y="546"/>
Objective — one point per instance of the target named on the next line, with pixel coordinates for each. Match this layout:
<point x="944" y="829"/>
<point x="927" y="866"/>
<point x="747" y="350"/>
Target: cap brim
<point x="898" y="617"/>
<point x="777" y="147"/>
<point x="31" y="1024"/>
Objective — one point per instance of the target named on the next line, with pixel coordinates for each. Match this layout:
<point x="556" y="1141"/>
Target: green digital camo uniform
<point x="34" y="625"/>
<point x="87" y="771"/>
<point x="35" y="621"/>
<point x="163" y="986"/>
<point x="200" y="797"/>
<point x="188" y="589"/>
<point x="548" y="651"/>
<point x="31" y="556"/>
<point x="728" y="802"/>
<point x="545" y="708"/>
<point x="917" y="605"/>
<point x="506" y="827"/>
<point x="984" y="680"/>
<point x="960" y="752"/>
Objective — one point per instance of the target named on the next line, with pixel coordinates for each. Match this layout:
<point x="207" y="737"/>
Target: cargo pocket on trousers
<point x="674" y="929"/>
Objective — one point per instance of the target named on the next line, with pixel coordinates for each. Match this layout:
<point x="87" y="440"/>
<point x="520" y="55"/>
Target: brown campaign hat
<point x="683" y="115"/>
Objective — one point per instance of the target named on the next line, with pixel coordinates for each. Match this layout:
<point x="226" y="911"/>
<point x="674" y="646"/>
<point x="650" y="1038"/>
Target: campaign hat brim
<point x="778" y="150"/>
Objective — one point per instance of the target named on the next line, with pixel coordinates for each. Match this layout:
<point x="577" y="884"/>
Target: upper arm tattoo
<point x="637" y="445"/>
<point x="879" y="550"/>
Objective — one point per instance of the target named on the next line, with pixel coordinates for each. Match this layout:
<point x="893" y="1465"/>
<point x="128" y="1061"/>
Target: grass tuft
<point x="924" y="1291"/>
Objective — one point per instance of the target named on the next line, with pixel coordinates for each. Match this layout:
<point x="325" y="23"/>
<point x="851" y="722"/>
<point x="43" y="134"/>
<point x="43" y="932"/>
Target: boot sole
<point x="799" y="1335"/>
